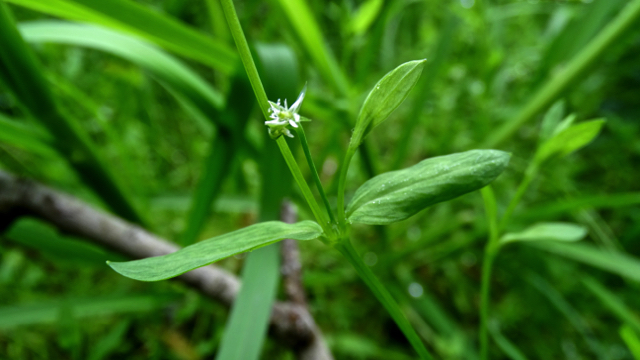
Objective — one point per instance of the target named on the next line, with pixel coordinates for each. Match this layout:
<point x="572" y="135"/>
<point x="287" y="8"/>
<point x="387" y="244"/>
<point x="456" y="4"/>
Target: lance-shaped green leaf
<point x="551" y="119"/>
<point x="214" y="249"/>
<point x="550" y="231"/>
<point x="385" y="97"/>
<point x="569" y="140"/>
<point x="397" y="195"/>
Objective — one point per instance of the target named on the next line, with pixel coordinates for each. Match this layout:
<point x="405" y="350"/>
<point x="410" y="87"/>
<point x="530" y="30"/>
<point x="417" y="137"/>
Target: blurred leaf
<point x="165" y="68"/>
<point x="397" y="195"/>
<point x="568" y="310"/>
<point x="134" y="18"/>
<point x="110" y="343"/>
<point x="48" y="312"/>
<point x="622" y="264"/>
<point x="385" y="97"/>
<point x="568" y="205"/>
<point x="614" y="303"/>
<point x="632" y="340"/>
<point x="365" y="15"/>
<point x="578" y="32"/>
<point x="564" y="124"/>
<point x="247" y="325"/>
<point x="44" y="238"/>
<point x="551" y="119"/>
<point x="26" y="137"/>
<point x="550" y="231"/>
<point x="308" y="30"/>
<point x="507" y="347"/>
<point x="214" y="249"/>
<point x="569" y="140"/>
<point x="22" y="75"/>
<point x="609" y="36"/>
<point x="222" y="151"/>
<point x="438" y="59"/>
<point x="352" y="345"/>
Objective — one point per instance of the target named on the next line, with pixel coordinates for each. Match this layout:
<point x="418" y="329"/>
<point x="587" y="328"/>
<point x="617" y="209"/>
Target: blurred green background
<point x="141" y="108"/>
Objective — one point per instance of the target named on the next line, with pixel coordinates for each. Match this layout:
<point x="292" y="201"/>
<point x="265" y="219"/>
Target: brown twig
<point x="290" y="323"/>
<point x="292" y="277"/>
<point x="291" y="268"/>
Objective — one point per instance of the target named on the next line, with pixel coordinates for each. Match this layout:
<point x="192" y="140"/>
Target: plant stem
<point x="245" y="55"/>
<point x="524" y="185"/>
<point x="490" y="253"/>
<point x="263" y="101"/>
<point x="314" y="172"/>
<point x="342" y="219"/>
<point x="347" y="250"/>
<point x="306" y="191"/>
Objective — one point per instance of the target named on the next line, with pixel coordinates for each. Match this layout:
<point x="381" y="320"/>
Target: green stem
<point x="571" y="73"/>
<point x="347" y="250"/>
<point x="490" y="252"/>
<point x="522" y="188"/>
<point x="263" y="101"/>
<point x="314" y="172"/>
<point x="245" y="55"/>
<point x="342" y="219"/>
<point x="487" y="265"/>
<point x="306" y="191"/>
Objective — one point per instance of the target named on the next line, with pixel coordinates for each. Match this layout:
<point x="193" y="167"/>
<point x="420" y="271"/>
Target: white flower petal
<point x="296" y="105"/>
<point x="293" y="123"/>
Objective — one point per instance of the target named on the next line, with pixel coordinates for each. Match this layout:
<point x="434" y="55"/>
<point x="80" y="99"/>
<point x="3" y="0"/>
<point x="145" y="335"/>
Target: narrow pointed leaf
<point x="385" y="97"/>
<point x="171" y="72"/>
<point x="397" y="195"/>
<point x="619" y="263"/>
<point x="631" y="339"/>
<point x="550" y="231"/>
<point x="551" y="119"/>
<point x="25" y="137"/>
<point x="123" y="15"/>
<point x="365" y="16"/>
<point x="569" y="140"/>
<point x="214" y="249"/>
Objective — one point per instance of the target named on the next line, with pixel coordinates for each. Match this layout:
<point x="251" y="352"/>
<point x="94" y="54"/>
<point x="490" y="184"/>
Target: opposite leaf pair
<point x="384" y="199"/>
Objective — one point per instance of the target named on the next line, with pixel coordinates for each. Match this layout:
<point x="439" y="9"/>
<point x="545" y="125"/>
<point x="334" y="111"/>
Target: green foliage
<point x="385" y="97"/>
<point x="397" y="195"/>
<point x="547" y="232"/>
<point x="569" y="140"/>
<point x="145" y="103"/>
<point x="214" y="249"/>
<point x="136" y="19"/>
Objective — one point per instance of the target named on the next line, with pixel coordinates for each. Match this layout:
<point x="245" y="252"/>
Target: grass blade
<point x="48" y="312"/>
<point x="308" y="30"/>
<point x="632" y="340"/>
<point x="168" y="70"/>
<point x="621" y="264"/>
<point x="134" y="18"/>
<point x="613" y="302"/>
<point x="598" y="201"/>
<point x="550" y="90"/>
<point x="564" y="307"/>
<point x="21" y="72"/>
<point x="509" y="348"/>
<point x="25" y="137"/>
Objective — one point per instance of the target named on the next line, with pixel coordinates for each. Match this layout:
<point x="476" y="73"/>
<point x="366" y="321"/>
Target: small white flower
<point x="283" y="116"/>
